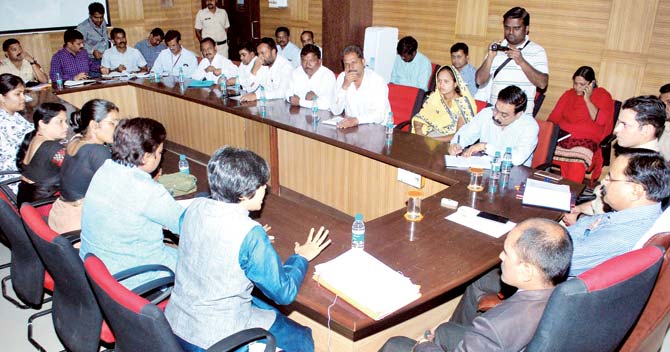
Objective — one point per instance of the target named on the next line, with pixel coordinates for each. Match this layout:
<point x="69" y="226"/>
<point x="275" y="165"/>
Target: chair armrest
<point x="72" y="236"/>
<point x="244" y="337"/>
<point x="122" y="275"/>
<point x="153" y="285"/>
<point x="548" y="167"/>
<point x="42" y="202"/>
<point x="607" y="141"/>
<point x="402" y="125"/>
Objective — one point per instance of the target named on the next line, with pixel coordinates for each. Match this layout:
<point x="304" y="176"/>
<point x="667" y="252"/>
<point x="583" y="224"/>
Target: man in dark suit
<point x="535" y="258"/>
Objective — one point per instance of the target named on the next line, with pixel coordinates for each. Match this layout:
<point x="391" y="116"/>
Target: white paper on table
<point x="259" y="347"/>
<point x="28" y="98"/>
<point x="367" y="283"/>
<point x="467" y="217"/>
<point x="333" y="121"/>
<point x="480" y="161"/>
<point x="78" y="83"/>
<point x="548" y="195"/>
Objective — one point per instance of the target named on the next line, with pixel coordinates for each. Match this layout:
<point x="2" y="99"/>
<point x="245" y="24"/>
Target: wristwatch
<point x="34" y="62"/>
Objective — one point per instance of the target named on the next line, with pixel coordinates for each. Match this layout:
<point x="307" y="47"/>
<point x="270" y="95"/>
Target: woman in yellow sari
<point x="448" y="108"/>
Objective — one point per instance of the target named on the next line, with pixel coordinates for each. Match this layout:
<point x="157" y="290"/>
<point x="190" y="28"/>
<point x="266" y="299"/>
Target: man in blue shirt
<point x="152" y="46"/>
<point x="94" y="29"/>
<point x="411" y="68"/>
<point x="459" y="59"/>
<point x="637" y="182"/>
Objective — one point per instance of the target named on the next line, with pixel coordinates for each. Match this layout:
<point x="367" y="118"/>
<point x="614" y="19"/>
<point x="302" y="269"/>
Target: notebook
<point x="366" y="283"/>
<point x="547" y="195"/>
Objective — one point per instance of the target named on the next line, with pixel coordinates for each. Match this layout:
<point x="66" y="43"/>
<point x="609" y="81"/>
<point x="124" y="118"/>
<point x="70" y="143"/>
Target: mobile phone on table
<point x="494" y="217"/>
<point x="549" y="175"/>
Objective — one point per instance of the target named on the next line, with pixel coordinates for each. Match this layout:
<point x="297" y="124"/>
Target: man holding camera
<point x="513" y="61"/>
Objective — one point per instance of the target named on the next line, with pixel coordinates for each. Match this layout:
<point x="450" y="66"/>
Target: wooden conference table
<point x="323" y="176"/>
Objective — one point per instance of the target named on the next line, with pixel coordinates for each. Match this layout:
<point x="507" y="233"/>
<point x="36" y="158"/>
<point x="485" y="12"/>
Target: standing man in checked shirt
<point x="94" y="30"/>
<point x="213" y="22"/>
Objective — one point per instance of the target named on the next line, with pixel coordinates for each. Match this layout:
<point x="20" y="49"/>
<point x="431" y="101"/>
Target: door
<point x="245" y="23"/>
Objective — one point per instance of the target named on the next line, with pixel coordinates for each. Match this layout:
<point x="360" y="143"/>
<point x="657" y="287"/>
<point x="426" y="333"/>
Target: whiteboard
<point x="20" y="16"/>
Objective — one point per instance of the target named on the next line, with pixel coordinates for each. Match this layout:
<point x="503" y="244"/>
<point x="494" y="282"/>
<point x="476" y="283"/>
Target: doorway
<point x="245" y="23"/>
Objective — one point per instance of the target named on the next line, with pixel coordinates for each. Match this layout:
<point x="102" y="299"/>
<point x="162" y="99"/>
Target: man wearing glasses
<point x="641" y="123"/>
<point x="637" y="182"/>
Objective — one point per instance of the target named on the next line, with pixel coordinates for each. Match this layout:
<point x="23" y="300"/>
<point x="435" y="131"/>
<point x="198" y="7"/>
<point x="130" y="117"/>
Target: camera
<point x="498" y="47"/>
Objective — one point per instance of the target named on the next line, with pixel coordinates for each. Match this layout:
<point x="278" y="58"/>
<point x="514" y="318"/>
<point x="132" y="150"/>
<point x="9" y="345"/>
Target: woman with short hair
<point x="125" y="210"/>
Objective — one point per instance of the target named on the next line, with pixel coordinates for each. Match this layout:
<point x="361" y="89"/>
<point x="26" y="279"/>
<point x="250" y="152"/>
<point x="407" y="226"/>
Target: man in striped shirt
<point x="513" y="61"/>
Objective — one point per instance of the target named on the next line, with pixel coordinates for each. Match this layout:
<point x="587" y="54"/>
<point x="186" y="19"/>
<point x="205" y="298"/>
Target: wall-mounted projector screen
<point x="21" y="16"/>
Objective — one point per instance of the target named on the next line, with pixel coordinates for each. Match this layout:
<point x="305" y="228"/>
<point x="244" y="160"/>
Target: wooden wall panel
<point x="183" y="121"/>
<point x="608" y="35"/>
<point x="430" y="22"/>
<point x="371" y="186"/>
<point x="299" y="16"/>
<point x="124" y="97"/>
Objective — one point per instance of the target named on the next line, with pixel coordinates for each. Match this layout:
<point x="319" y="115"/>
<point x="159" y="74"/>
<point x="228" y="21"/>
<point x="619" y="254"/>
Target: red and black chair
<point x="650" y="329"/>
<point x="29" y="279"/>
<point x="77" y="318"/>
<point x="405" y="102"/>
<point x="595" y="310"/>
<point x="140" y="325"/>
<point x="431" y="80"/>
<point x="547" y="137"/>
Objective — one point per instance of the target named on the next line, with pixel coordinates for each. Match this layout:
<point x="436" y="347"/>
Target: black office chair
<point x="141" y="326"/>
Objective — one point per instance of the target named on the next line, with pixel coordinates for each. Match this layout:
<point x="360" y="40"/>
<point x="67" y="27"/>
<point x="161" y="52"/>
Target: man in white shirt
<point x="361" y="94"/>
<point x="516" y="61"/>
<point x="170" y="60"/>
<point x="213" y="22"/>
<point x="499" y="127"/>
<point x="311" y="81"/>
<point x="121" y="58"/>
<point x="213" y="64"/>
<point x="275" y="75"/>
<point x="249" y="66"/>
<point x="307" y="37"/>
<point x="286" y="48"/>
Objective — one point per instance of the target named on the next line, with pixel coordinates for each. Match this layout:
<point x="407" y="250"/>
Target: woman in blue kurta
<point x="223" y="254"/>
<point x="125" y="210"/>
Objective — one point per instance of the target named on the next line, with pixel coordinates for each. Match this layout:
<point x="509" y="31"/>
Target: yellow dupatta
<point x="440" y="119"/>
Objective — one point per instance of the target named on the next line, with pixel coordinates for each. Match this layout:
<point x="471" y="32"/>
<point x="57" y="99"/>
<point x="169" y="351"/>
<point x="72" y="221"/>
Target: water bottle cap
<point x="182" y="157"/>
<point x="497" y="153"/>
<point x="314" y="98"/>
<point x="508" y="150"/>
<point x="359" y="217"/>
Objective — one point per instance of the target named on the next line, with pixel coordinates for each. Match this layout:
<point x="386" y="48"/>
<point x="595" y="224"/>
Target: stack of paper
<point x="78" y="83"/>
<point x="366" y="283"/>
<point x="483" y="162"/>
<point x="547" y="195"/>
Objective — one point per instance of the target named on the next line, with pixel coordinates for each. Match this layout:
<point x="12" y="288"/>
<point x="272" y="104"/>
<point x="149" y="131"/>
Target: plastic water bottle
<point x="315" y="108"/>
<point x="237" y="85"/>
<point x="371" y="63"/>
<point x="59" y="81"/>
<point x="389" y="123"/>
<point x="506" y="165"/>
<point x="157" y="77"/>
<point x="181" y="75"/>
<point x="263" y="100"/>
<point x="495" y="166"/>
<point x="358" y="232"/>
<point x="183" y="165"/>
<point x="224" y="85"/>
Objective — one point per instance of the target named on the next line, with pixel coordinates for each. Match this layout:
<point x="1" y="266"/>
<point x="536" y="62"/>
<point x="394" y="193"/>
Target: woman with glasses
<point x="87" y="150"/>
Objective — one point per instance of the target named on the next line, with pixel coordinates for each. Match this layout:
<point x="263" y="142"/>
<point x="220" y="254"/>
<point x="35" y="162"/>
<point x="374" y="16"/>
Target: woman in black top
<point x="86" y="152"/>
<point x="41" y="154"/>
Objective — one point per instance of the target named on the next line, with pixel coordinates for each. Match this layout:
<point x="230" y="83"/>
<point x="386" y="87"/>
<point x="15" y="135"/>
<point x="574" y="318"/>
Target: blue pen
<point x="458" y="140"/>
